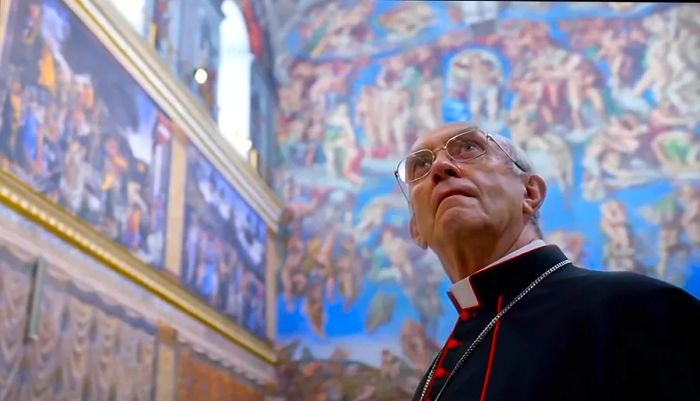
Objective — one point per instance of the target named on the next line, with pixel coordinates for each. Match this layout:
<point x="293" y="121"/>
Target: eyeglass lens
<point x="462" y="147"/>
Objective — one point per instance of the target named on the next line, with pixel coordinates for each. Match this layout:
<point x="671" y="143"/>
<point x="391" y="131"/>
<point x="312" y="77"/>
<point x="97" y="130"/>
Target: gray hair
<point x="521" y="165"/>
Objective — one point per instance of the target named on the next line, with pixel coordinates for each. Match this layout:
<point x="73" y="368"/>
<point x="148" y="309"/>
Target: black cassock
<point x="577" y="335"/>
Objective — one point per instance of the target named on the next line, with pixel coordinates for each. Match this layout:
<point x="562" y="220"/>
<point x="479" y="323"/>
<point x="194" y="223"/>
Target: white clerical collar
<point x="463" y="294"/>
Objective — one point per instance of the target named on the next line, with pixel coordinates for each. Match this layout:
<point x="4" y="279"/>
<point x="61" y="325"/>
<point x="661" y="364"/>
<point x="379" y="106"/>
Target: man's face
<point x="463" y="200"/>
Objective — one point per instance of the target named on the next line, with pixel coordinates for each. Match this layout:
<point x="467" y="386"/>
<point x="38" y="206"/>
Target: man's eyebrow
<point x="450" y="136"/>
<point x="414" y="150"/>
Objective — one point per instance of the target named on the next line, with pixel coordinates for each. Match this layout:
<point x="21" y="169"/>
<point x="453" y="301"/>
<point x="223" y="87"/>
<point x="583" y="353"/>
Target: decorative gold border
<point x="273" y="261"/>
<point x="4" y="12"/>
<point x="174" y="237"/>
<point x="156" y="78"/>
<point x="21" y="197"/>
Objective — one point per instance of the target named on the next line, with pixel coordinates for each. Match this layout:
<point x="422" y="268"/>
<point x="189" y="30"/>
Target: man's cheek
<point x="422" y="206"/>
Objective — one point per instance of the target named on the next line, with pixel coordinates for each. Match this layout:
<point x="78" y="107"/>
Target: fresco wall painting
<point x="201" y="379"/>
<point x="187" y="38"/>
<point x="224" y="246"/>
<point x="81" y="131"/>
<point x="602" y="96"/>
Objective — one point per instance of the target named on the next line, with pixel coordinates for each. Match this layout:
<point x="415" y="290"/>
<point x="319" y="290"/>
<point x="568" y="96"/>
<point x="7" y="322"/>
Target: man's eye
<point x="465" y="149"/>
<point x="468" y="147"/>
<point x="417" y="166"/>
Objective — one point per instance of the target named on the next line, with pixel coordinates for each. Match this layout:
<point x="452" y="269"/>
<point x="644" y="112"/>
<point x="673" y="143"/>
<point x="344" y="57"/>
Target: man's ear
<point x="535" y="192"/>
<point x="415" y="234"/>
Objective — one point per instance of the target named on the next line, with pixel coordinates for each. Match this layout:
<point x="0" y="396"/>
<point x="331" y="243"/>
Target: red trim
<point x="439" y="364"/>
<point x="454" y="300"/>
<point x="492" y="352"/>
<point x="452" y="343"/>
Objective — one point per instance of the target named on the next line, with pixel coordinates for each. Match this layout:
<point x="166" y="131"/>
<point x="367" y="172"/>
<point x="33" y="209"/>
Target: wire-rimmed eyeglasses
<point x="464" y="146"/>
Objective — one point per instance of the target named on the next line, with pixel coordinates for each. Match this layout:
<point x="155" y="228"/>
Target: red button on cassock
<point x="440" y="372"/>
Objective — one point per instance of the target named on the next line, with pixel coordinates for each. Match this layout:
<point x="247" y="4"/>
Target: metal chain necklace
<point x="483" y="333"/>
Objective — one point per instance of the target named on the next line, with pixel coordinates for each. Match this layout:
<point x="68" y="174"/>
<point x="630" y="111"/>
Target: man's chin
<point x="460" y="222"/>
<point x="466" y="215"/>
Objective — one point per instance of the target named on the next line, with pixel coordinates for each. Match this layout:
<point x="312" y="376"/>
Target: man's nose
<point x="444" y="167"/>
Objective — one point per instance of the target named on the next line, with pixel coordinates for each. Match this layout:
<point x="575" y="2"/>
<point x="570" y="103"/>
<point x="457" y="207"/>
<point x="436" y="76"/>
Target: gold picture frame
<point x="192" y="124"/>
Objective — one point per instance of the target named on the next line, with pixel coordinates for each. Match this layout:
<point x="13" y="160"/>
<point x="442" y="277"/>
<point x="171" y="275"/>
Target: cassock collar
<point x="512" y="272"/>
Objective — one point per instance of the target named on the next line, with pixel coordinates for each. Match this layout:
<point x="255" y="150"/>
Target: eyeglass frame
<point x="434" y="153"/>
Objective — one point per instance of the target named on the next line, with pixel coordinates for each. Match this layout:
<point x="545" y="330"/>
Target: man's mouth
<point x="451" y="193"/>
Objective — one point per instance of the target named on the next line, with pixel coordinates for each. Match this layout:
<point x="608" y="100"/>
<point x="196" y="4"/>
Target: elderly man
<point x="532" y="326"/>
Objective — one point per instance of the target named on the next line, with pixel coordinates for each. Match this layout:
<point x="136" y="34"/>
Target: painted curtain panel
<point x="88" y="347"/>
<point x="602" y="96"/>
<point x="79" y="129"/>
<point x="224" y="243"/>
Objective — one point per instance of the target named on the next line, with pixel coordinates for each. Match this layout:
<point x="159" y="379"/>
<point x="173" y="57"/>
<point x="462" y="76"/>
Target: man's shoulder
<point x="629" y="287"/>
<point x="619" y="280"/>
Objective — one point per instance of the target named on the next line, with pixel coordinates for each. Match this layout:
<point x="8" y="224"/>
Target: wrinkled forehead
<point x="436" y="138"/>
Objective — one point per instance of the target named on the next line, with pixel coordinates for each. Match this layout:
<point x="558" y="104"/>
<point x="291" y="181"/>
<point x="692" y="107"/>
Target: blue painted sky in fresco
<point x="583" y="216"/>
<point x="556" y="12"/>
